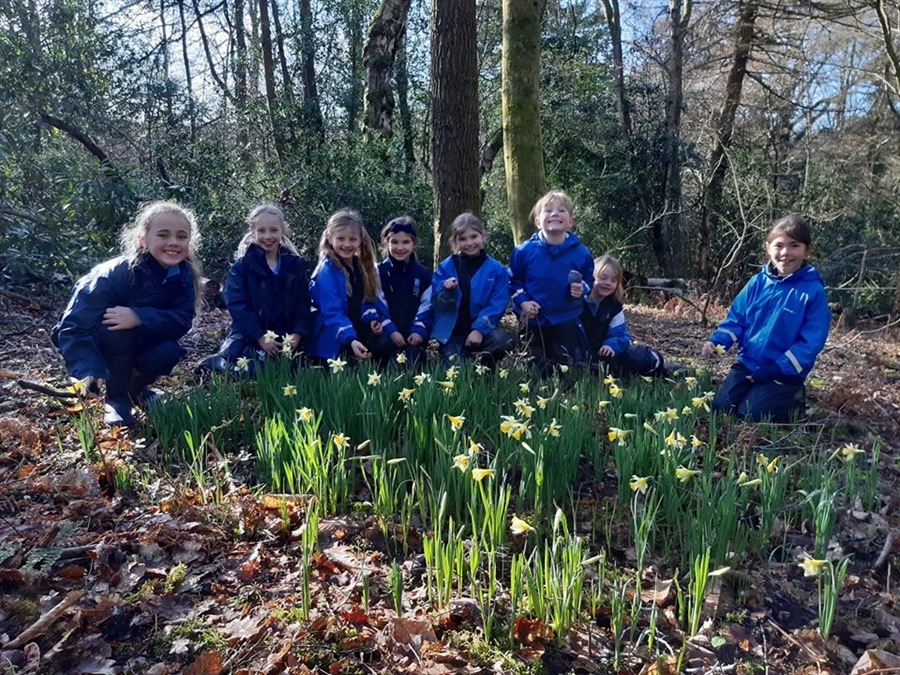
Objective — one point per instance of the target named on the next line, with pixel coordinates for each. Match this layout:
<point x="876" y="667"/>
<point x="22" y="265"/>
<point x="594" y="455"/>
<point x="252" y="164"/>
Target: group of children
<point x="122" y="324"/>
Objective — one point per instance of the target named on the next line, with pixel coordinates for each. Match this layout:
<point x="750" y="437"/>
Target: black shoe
<point x="146" y="397"/>
<point x="677" y="370"/>
<point x="117" y="412"/>
<point x="214" y="363"/>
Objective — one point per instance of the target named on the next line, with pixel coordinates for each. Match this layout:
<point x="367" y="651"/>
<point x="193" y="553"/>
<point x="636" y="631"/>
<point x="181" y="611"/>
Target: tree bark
<point x="743" y="44"/>
<point x="223" y="86"/>
<point x="269" y="77"/>
<point x="312" y="111"/>
<point x="402" y="78"/>
<point x="454" y="101"/>
<point x="355" y="44"/>
<point x="74" y="132"/>
<point x="286" y="85"/>
<point x="187" y="71"/>
<point x="386" y="30"/>
<point x="522" y="152"/>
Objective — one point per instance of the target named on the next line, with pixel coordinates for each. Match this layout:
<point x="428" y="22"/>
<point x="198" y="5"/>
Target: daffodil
<point x="480" y="474"/>
<point x="575" y="408"/>
<point x="474" y="447"/>
<point x="305" y="415"/>
<point x="286" y="348"/>
<point x="639" y="483"/>
<point x="456" y="422"/>
<point x="406" y="394"/>
<point x="374" y="379"/>
<point x="461" y="462"/>
<point x="523" y="387"/>
<point x="401" y="358"/>
<point x="481" y="369"/>
<point x="686" y="410"/>
<point x="242" y="364"/>
<point x="608" y="380"/>
<point x="647" y="378"/>
<point x="421" y="379"/>
<point x="696" y="442"/>
<point x="523" y="407"/>
<point x="290" y="390"/>
<point x="772" y="467"/>
<point x="519" y="526"/>
<point x="684" y="474"/>
<point x="601" y="405"/>
<point x="675" y="439"/>
<point x="396" y="460"/>
<point x="649" y="427"/>
<point x="690" y="381"/>
<point x="336" y="365"/>
<point x="564" y="368"/>
<point x="659" y="415"/>
<point x="542" y="402"/>
<point x="508" y="424"/>
<point x="630" y="416"/>
<point x="722" y="571"/>
<point x="615" y="390"/>
<point x="365" y="444"/>
<point x="750" y="483"/>
<point x="812" y="567"/>
<point x="447" y="385"/>
<point x="503" y="373"/>
<point x="340" y="440"/>
<point x="271" y="336"/>
<point x="616" y="434"/>
<point x="720" y="350"/>
<point x="79" y="387"/>
<point x="671" y="414"/>
<point x="850" y="451"/>
<point x="553" y="428"/>
<point x="452" y="372"/>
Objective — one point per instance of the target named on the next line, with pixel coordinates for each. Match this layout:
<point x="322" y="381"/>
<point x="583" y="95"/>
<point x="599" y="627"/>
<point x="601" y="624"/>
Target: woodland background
<point x="681" y="129"/>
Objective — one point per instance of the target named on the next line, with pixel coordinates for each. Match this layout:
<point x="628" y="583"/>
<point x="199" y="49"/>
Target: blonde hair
<point x="252" y="219"/>
<point x="346" y="218"/>
<point x="466" y="221"/>
<point x="605" y="261"/>
<point x="133" y="235"/>
<point x="553" y="196"/>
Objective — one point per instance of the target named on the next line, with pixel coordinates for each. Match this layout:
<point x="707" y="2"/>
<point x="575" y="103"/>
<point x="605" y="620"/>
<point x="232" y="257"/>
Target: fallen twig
<point x="885" y="552"/>
<point x="40" y="626"/>
<point x="46" y="389"/>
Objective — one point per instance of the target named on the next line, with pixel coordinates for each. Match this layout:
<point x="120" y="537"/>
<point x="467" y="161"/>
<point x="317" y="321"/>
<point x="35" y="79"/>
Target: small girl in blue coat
<point x="406" y="284"/>
<point x="121" y="327"/>
<point x="604" y="322"/>
<point x="267" y="292"/>
<point x="470" y="291"/>
<point x="780" y="322"/>
<point x="352" y="317"/>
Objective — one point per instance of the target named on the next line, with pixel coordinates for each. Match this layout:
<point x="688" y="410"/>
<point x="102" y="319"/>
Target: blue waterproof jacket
<point x="604" y="324"/>
<point x="260" y="300"/>
<point x="488" y="301"/>
<point x="539" y="272"/>
<point x="407" y="291"/>
<point x="333" y="325"/>
<point x="779" y="324"/>
<point x="162" y="298"/>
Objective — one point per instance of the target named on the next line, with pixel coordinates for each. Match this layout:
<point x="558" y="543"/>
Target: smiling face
<point x="787" y="254"/>
<point x="346" y="242"/>
<point x="554" y="219"/>
<point x="400" y="246"/>
<point x="168" y="238"/>
<point x="469" y="242"/>
<point x="606" y="281"/>
<point x="268" y="232"/>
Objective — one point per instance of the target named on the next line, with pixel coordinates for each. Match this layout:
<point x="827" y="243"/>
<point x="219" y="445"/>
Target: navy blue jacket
<point x="539" y="272"/>
<point x="407" y="292"/>
<point x="163" y="300"/>
<point x="604" y="324"/>
<point x="779" y="323"/>
<point x="489" y="297"/>
<point x="260" y="300"/>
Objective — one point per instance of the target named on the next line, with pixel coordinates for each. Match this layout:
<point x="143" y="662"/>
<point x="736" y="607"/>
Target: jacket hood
<point x="571" y="241"/>
<point x="806" y="273"/>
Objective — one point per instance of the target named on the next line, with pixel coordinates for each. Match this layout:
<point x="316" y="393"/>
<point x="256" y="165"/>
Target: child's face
<point x="606" y="281"/>
<point x="469" y="242"/>
<point x="346" y="242"/>
<point x="400" y="245"/>
<point x="554" y="218"/>
<point x="268" y="232"/>
<point x="787" y="254"/>
<point x="168" y="239"/>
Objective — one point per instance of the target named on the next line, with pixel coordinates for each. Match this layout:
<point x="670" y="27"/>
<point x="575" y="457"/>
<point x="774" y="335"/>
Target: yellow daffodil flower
<point x="290" y="390"/>
<point x="686" y="410"/>
<point x="615" y="390"/>
<point x="850" y="451"/>
<point x="649" y="427"/>
<point x="684" y="474"/>
<point x="616" y="434"/>
<point x="523" y="387"/>
<point x="639" y="483"/>
<point x="772" y="466"/>
<point x="421" y="379"/>
<point x="305" y="415"/>
<point x="374" y="379"/>
<point x="812" y="567"/>
<point x="647" y="378"/>
<point x="696" y="442"/>
<point x="474" y="447"/>
<point x="601" y="405"/>
<point x="271" y="336"/>
<point x="750" y="483"/>
<point x="406" y="394"/>
<point x="461" y="462"/>
<point x="447" y="384"/>
<point x="503" y="374"/>
<point x="401" y="358"/>
<point x="336" y="365"/>
<point x="659" y="415"/>
<point x="564" y="368"/>
<point x="480" y="474"/>
<point x="690" y="381"/>
<point x="286" y="349"/>
<point x="519" y="526"/>
<point x="340" y="440"/>
<point x="609" y="379"/>
<point x="365" y="444"/>
<point x="243" y="363"/>
<point x="720" y="350"/>
<point x="396" y="460"/>
<point x="452" y="372"/>
<point x="542" y="402"/>
<point x="481" y="369"/>
<point x="553" y="429"/>
<point x="456" y="422"/>
<point x="575" y="408"/>
<point x="630" y="416"/>
<point x="671" y="414"/>
<point x="523" y="407"/>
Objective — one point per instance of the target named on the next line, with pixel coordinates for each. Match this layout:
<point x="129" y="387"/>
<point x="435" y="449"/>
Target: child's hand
<point x="397" y="339"/>
<point x="376" y="327"/>
<point x="451" y="283"/>
<point x="360" y="351"/>
<point x="709" y="349"/>
<point x="474" y="339"/>
<point x="606" y="351"/>
<point x="88" y="387"/>
<point x="294" y="341"/>
<point x="530" y="309"/>
<point x="121" y="318"/>
<point x="269" y="346"/>
<point x="414" y="340"/>
<point x="576" y="289"/>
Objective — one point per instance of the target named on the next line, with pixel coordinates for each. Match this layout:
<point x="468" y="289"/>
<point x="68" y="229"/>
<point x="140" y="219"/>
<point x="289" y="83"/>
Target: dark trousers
<point x="636" y="360"/>
<point x="564" y="343"/>
<point x="135" y="359"/>
<point x="495" y="345"/>
<point x="780" y="400"/>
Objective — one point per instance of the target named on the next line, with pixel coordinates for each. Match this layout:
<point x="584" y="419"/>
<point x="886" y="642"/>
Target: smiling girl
<point x="121" y="327"/>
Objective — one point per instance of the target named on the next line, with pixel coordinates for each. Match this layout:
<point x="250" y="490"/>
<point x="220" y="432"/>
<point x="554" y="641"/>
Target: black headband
<point x="401" y="226"/>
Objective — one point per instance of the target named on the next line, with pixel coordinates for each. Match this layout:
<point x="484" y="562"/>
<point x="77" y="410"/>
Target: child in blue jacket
<point x="267" y="293"/>
<point x="406" y="285"/>
<point x="549" y="274"/>
<point x="470" y="291"/>
<point x="779" y="321"/>
<point x="121" y="327"/>
<point x="607" y="332"/>
<point x="351" y="316"/>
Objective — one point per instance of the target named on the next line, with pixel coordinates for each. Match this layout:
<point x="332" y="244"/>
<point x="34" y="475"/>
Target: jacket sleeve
<point x="731" y="330"/>
<point x="517" y="274"/>
<point x="618" y="338"/>
<point x="587" y="273"/>
<point x="325" y="289"/>
<point x="443" y="299"/>
<point x="425" y="314"/>
<point x="302" y="323"/>
<point x="801" y="356"/>
<point x="379" y="311"/>
<point x="237" y="299"/>
<point x="496" y="300"/>
<point x="171" y="323"/>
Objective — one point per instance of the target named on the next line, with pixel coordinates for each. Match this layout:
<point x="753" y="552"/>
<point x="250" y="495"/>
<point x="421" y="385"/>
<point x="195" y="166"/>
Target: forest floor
<point x="97" y="576"/>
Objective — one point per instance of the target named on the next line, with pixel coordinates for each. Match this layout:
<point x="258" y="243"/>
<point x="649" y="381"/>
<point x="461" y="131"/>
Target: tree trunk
<point x="454" y="101"/>
<point x="223" y="86"/>
<point x="312" y="111"/>
<point x="74" y="132"/>
<point x="240" y="85"/>
<point x="187" y="71"/>
<point x="286" y="84"/>
<point x="743" y="44"/>
<point x="402" y="77"/>
<point x="385" y="33"/>
<point x="269" y="76"/>
<point x="522" y="151"/>
<point x="354" y="97"/>
<point x="164" y="41"/>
